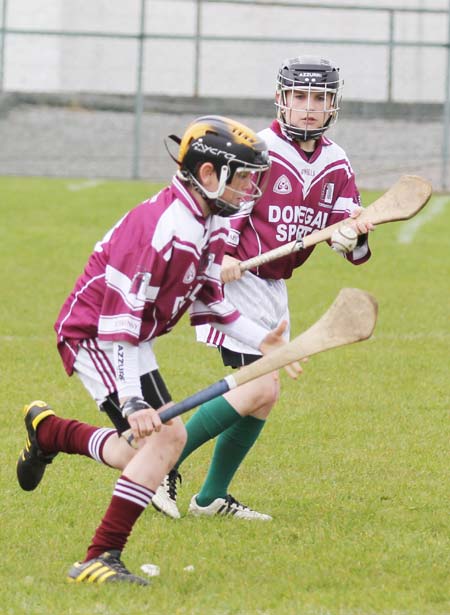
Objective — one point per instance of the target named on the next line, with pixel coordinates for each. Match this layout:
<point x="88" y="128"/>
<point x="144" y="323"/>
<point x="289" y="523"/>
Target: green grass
<point x="353" y="464"/>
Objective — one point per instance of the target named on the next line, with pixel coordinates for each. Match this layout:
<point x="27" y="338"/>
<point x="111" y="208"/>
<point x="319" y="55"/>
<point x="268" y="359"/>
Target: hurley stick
<point x="351" y="318"/>
<point x="401" y="202"/>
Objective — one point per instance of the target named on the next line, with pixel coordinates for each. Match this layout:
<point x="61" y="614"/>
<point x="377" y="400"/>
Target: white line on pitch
<point x="85" y="185"/>
<point x="409" y="229"/>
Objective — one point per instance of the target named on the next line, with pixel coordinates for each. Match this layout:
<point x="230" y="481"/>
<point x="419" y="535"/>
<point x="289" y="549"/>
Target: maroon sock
<point x="128" y="502"/>
<point x="57" y="435"/>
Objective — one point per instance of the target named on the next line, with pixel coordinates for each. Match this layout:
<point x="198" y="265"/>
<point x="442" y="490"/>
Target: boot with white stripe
<point x="226" y="506"/>
<point x="165" y="498"/>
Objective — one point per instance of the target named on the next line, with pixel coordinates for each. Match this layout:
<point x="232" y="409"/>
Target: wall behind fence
<point x="219" y="51"/>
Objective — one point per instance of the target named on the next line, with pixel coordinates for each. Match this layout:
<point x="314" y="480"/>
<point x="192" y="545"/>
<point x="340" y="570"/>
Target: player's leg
<point x="209" y="421"/>
<point x="48" y="435"/>
<point x="132" y="493"/>
<point x="142" y="472"/>
<point x="96" y="372"/>
<point x="237" y="419"/>
<point x="265" y="301"/>
<point x="253" y="402"/>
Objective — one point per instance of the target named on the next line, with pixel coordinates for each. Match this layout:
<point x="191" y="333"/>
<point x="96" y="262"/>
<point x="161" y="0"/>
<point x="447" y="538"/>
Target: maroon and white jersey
<point x="301" y="195"/>
<point x="158" y="260"/>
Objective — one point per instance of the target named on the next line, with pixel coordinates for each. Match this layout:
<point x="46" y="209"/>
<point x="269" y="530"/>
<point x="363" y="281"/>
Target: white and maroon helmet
<point x="308" y="73"/>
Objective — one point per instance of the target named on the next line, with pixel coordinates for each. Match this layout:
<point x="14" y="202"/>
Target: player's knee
<point x="271" y="391"/>
<point x="117" y="453"/>
<point x="176" y="434"/>
<point x="266" y="393"/>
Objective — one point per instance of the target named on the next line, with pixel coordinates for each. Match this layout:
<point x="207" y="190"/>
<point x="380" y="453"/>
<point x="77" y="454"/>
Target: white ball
<point x="151" y="569"/>
<point x="344" y="239"/>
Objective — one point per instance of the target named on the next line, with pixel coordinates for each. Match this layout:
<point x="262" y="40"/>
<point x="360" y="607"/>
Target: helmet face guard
<point x="307" y="74"/>
<point x="222" y="207"/>
<point x="232" y="149"/>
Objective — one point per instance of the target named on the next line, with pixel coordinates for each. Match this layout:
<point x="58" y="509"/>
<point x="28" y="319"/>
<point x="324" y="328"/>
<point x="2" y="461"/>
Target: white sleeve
<point x="126" y="365"/>
<point x="244" y="330"/>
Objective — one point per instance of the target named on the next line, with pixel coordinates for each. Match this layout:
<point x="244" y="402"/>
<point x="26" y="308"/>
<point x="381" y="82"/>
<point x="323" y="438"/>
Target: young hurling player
<point x="310" y="185"/>
<point x="159" y="259"/>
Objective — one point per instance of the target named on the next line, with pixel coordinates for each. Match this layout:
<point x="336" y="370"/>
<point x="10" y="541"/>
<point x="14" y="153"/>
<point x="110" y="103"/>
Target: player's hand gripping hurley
<point x="351" y="318"/>
<point x="401" y="202"/>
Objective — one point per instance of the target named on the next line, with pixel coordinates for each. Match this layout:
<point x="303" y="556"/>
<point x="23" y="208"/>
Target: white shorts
<point x="94" y="366"/>
<point x="263" y="301"/>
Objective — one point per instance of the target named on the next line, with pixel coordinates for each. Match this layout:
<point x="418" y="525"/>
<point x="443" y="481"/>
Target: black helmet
<point x="229" y="146"/>
<point x="309" y="73"/>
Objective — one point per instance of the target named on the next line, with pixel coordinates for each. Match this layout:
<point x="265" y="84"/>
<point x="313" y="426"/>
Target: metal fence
<point x="210" y="46"/>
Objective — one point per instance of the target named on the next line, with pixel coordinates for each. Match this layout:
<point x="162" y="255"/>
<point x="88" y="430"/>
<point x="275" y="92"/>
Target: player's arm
<point x="360" y="226"/>
<point x="142" y="418"/>
<point x="230" y="270"/>
<point x="230" y="265"/>
<point x="351" y="238"/>
<point x="212" y="308"/>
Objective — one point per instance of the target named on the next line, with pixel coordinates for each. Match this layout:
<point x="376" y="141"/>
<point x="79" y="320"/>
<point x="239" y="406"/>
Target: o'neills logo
<point x="327" y="193"/>
<point x="233" y="237"/>
<point x="282" y="185"/>
<point x="199" y="146"/>
<point x="189" y="276"/>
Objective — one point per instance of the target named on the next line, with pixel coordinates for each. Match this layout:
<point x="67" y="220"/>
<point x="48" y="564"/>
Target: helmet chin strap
<point x="208" y="195"/>
<point x="212" y="195"/>
<point x="215" y="203"/>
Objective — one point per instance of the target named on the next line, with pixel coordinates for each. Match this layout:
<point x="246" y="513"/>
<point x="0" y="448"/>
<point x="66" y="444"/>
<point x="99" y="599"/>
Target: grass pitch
<point x="353" y="464"/>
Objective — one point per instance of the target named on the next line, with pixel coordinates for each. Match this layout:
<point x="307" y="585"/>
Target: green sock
<point x="231" y="448"/>
<point x="210" y="420"/>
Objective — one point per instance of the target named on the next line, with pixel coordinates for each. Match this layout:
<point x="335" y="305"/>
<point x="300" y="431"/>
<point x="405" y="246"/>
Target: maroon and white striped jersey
<point x="301" y="195"/>
<point x="161" y="258"/>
